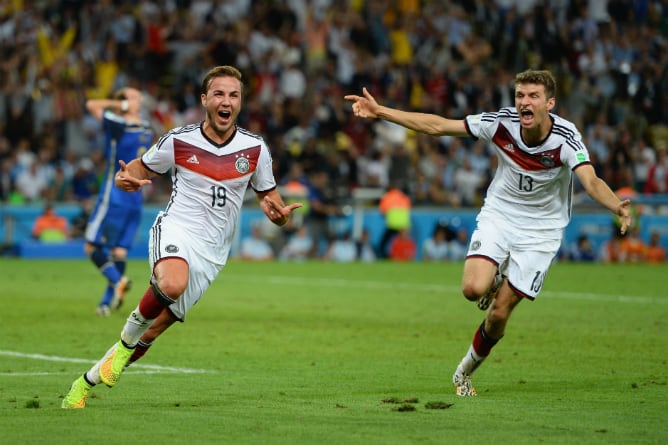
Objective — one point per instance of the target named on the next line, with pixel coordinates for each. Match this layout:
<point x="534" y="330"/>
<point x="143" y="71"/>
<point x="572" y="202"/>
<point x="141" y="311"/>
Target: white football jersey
<point x="532" y="186"/>
<point x="209" y="180"/>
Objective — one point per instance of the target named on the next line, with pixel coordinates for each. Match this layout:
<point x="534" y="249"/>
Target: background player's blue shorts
<point x="113" y="225"/>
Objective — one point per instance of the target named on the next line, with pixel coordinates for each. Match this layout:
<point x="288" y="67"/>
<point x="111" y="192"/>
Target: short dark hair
<point x="540" y="77"/>
<point x="221" y="71"/>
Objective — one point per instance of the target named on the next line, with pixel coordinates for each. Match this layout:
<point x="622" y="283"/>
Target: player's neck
<point x="217" y="136"/>
<point x="535" y="136"/>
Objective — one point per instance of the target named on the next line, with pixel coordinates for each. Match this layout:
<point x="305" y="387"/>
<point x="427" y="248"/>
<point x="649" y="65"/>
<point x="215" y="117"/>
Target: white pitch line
<point x="149" y="369"/>
<point x="417" y="287"/>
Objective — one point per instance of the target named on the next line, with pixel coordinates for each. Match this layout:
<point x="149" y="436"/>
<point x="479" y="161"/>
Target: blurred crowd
<point x="300" y="57"/>
<point x="629" y="248"/>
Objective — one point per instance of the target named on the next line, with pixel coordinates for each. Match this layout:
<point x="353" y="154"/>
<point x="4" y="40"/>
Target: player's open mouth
<point x="224" y="114"/>
<point x="526" y="115"/>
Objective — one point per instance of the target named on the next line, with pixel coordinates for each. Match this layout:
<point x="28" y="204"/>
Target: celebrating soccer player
<point x="528" y="203"/>
<point x="212" y="163"/>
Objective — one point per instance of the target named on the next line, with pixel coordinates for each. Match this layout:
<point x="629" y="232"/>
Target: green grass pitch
<point x="321" y="353"/>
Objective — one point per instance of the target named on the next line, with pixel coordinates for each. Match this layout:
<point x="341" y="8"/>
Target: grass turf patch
<point x="306" y="353"/>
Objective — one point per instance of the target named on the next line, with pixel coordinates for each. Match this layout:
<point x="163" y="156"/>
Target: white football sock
<point x="471" y="361"/>
<point x="134" y="328"/>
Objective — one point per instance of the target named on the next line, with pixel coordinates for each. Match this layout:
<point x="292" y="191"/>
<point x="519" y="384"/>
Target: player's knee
<point x="119" y="254"/>
<point x="170" y="286"/>
<point x="98" y="256"/>
<point x="472" y="289"/>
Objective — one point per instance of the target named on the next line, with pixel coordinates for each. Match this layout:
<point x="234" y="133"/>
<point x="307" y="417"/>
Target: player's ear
<point x="551" y="103"/>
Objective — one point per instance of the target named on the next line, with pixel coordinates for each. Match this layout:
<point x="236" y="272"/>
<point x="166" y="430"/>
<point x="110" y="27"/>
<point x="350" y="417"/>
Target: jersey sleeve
<point x="160" y="157"/>
<point x="575" y="152"/>
<point x="482" y="126"/>
<point x="263" y="177"/>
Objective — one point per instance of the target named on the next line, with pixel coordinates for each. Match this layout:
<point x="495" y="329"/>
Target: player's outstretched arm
<point x="366" y="106"/>
<point x="603" y="194"/>
<point x="274" y="208"/>
<point x="133" y="176"/>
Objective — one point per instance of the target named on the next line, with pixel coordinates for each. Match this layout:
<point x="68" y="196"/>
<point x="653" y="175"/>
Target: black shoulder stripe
<point x="563" y="130"/>
<point x="508" y="112"/>
<point x="249" y="133"/>
<point x="576" y="146"/>
<point x="565" y="135"/>
<point x="175" y="131"/>
<point x="503" y="112"/>
<point x="569" y="137"/>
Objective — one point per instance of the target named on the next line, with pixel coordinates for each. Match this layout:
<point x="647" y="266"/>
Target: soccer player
<point x="528" y="203"/>
<point x="212" y="163"/>
<point x="114" y="221"/>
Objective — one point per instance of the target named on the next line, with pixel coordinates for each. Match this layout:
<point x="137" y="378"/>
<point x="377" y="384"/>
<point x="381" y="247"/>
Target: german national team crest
<point x="242" y="165"/>
<point x="547" y="161"/>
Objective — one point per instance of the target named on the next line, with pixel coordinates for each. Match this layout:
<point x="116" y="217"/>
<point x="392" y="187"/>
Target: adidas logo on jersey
<point x="192" y="160"/>
<point x="509" y="147"/>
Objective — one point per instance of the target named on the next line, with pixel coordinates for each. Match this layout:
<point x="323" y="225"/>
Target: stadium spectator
<point x="582" y="250"/>
<point x="55" y="61"/>
<point x="365" y="251"/>
<point x="644" y="157"/>
<point x="436" y="248"/>
<point x="299" y="247"/>
<point x="49" y="227"/>
<point x="656" y="253"/>
<point x="321" y="206"/>
<point x="113" y="223"/>
<point x="402" y="247"/>
<point x="6" y="180"/>
<point x="633" y="247"/>
<point x="254" y="247"/>
<point x="395" y="206"/>
<point x="612" y="251"/>
<point x="468" y="183"/>
<point x="60" y="189"/>
<point x="520" y="226"/>
<point x="342" y="249"/>
<point x="458" y="246"/>
<point x="84" y="180"/>
<point x="657" y="176"/>
<point x="32" y="184"/>
<point x="213" y="163"/>
<point x="375" y="171"/>
<point x="76" y="59"/>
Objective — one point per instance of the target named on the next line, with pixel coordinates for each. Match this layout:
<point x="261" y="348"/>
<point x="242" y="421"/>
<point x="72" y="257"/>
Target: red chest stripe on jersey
<point x="544" y="160"/>
<point x="219" y="168"/>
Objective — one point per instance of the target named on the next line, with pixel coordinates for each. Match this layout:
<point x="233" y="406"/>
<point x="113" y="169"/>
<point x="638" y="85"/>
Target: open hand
<point x="624" y="215"/>
<point x="125" y="181"/>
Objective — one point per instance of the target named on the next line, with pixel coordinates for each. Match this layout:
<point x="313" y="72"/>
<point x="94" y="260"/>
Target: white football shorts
<point x="524" y="254"/>
<point x="205" y="260"/>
